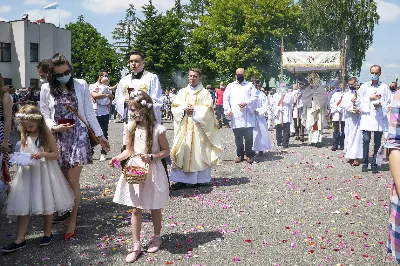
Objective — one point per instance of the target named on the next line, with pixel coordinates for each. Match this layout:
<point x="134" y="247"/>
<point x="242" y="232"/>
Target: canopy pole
<point x="344" y="51"/>
<point x="282" y="50"/>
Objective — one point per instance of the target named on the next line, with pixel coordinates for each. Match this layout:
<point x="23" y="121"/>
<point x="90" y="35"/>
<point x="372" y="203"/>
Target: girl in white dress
<point x="38" y="188"/>
<point x="146" y="144"/>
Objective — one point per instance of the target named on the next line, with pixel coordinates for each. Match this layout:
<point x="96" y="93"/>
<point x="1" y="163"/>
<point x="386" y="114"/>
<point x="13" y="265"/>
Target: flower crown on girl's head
<point x="22" y="116"/>
<point x="142" y="102"/>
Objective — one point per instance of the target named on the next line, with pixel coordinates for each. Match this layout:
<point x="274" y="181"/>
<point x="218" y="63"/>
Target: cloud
<point x="388" y="12"/>
<point x="114" y="6"/>
<point x="51" y="16"/>
<point x="371" y="50"/>
<point x="5" y="9"/>
<point x="37" y="2"/>
<point x="391" y="66"/>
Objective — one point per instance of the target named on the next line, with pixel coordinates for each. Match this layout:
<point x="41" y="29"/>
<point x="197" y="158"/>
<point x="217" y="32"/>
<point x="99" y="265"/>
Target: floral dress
<point x="73" y="145"/>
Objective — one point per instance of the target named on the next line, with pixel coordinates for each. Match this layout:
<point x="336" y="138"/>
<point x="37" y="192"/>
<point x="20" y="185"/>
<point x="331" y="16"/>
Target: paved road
<point x="300" y="206"/>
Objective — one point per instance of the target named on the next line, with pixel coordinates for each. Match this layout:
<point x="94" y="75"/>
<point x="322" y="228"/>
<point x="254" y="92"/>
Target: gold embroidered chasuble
<point x="197" y="142"/>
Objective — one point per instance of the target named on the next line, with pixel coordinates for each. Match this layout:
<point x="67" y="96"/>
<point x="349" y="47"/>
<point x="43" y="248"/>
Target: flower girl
<point x="39" y="187"/>
<point x="147" y="144"/>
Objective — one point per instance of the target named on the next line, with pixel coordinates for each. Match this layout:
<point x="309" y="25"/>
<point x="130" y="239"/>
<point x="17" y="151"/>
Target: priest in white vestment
<point x="197" y="142"/>
<point x="298" y="111"/>
<point x="315" y="99"/>
<point x="282" y="106"/>
<point x="353" y="146"/>
<point x="393" y="90"/>
<point x="139" y="79"/>
<point x="261" y="140"/>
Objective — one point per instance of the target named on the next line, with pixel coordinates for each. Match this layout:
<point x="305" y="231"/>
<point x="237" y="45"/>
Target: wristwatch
<point x="151" y="157"/>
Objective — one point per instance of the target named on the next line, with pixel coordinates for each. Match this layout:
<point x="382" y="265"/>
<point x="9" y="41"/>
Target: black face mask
<point x="392" y="88"/>
<point x="240" y="78"/>
<point x="352" y="87"/>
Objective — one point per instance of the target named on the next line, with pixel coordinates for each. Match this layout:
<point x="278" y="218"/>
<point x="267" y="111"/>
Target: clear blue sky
<point x="105" y="14"/>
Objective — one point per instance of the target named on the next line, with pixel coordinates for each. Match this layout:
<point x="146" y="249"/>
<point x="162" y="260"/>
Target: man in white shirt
<point x="393" y="90"/>
<point x="374" y="104"/>
<point x="336" y="111"/>
<point x="102" y="112"/>
<point x="240" y="101"/>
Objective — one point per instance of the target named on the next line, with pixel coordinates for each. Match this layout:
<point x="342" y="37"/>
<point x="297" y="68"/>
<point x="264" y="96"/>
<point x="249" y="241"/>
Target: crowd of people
<point x="58" y="135"/>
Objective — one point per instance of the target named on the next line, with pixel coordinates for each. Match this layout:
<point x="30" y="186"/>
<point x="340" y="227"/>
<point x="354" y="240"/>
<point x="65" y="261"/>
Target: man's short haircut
<point x="352" y="79"/>
<point x="44" y="66"/>
<point x="197" y="70"/>
<point x="380" y="69"/>
<point x="136" y="52"/>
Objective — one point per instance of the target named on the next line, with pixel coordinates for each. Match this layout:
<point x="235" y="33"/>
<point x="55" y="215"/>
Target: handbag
<point x="94" y="140"/>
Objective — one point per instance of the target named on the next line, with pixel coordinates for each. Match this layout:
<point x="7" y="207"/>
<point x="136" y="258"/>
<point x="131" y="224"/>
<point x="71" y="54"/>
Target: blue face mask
<point x="374" y="77"/>
<point x="64" y="79"/>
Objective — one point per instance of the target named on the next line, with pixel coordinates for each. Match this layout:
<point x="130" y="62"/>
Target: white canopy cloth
<point x="296" y="62"/>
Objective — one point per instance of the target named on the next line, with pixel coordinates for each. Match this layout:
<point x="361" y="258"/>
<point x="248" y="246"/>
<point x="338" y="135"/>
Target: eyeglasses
<point x="60" y="75"/>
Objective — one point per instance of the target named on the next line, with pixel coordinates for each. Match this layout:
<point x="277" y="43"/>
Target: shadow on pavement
<point x="176" y="243"/>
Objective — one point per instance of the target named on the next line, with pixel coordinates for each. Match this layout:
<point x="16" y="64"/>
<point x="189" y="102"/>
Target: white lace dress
<point x="154" y="192"/>
<point x="39" y="189"/>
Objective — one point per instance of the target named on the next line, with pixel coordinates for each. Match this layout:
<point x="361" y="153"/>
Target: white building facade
<point x="24" y="44"/>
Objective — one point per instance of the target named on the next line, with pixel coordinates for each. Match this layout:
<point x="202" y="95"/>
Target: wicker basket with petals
<point x="135" y="174"/>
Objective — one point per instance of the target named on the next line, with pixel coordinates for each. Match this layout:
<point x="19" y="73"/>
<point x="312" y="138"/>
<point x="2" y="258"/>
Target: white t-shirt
<point x="101" y="106"/>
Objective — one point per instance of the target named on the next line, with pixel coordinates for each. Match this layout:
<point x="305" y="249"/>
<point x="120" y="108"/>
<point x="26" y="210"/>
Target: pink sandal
<point x="154" y="244"/>
<point x="134" y="252"/>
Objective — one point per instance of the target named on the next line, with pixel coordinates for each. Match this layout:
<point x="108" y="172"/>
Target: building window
<point x="5" y="55"/>
<point x="34" y="82"/>
<point x="34" y="52"/>
<point x="7" y="81"/>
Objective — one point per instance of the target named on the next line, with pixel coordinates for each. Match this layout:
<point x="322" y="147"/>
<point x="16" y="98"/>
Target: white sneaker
<point x="103" y="158"/>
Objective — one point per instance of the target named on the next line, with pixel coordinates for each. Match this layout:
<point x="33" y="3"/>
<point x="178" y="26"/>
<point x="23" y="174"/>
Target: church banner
<point x="308" y="61"/>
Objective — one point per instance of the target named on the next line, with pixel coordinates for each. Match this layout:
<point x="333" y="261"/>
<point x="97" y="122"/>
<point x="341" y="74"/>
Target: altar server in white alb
<point x="353" y="148"/>
<point x="282" y="106"/>
<point x="337" y="113"/>
<point x="261" y="141"/>
<point x="315" y="99"/>
<point x="298" y="111"/>
<point x="141" y="80"/>
<point x="240" y="101"/>
<point x="375" y="101"/>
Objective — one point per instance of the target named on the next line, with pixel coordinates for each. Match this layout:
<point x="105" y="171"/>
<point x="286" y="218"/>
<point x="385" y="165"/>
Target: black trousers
<point x="377" y="145"/>
<point x="283" y="133"/>
<point x="220" y="115"/>
<point x="103" y="122"/>
<point x="338" y="137"/>
<point x="247" y="148"/>
<point x="298" y="127"/>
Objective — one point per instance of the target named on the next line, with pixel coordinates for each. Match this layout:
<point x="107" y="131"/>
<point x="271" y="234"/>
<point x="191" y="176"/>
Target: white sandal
<point x="134" y="252"/>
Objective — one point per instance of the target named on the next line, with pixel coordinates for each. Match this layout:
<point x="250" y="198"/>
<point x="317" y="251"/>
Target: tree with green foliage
<point x="124" y="32"/>
<point x="160" y="37"/>
<point x="91" y="52"/>
<point x="235" y="34"/>
<point x="327" y="24"/>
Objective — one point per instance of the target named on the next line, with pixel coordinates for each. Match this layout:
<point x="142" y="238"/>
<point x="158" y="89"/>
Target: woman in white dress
<point x="39" y="187"/>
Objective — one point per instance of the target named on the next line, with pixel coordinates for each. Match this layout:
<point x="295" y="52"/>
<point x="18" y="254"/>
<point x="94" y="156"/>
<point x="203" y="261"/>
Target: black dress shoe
<point x="364" y="168"/>
<point x="374" y="169"/>
<point x="334" y="148"/>
<point x="319" y="145"/>
<point x="178" y="185"/>
<point x="46" y="240"/>
<point x="302" y="139"/>
<point x="13" y="247"/>
<point x="297" y="138"/>
<point x="57" y="219"/>
<point x="285" y="146"/>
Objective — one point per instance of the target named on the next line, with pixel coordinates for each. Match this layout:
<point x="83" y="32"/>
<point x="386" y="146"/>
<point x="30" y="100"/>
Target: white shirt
<point x="335" y="104"/>
<point x="94" y="88"/>
<point x="103" y="105"/>
<point x="283" y="110"/>
<point x="235" y="94"/>
<point x="149" y="82"/>
<point x="374" y="119"/>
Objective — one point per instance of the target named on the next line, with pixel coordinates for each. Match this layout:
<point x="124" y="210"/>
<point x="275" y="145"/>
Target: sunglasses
<point x="60" y="75"/>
